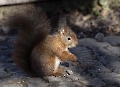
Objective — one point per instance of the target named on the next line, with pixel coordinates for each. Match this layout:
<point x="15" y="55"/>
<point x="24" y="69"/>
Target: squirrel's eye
<point x="69" y="38"/>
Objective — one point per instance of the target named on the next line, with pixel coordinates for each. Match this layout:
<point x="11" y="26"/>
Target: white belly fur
<point x="57" y="62"/>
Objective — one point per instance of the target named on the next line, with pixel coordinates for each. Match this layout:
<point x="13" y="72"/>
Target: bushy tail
<point x="34" y="29"/>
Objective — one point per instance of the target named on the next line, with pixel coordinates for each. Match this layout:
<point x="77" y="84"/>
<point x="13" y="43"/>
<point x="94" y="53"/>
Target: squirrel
<point x="37" y="51"/>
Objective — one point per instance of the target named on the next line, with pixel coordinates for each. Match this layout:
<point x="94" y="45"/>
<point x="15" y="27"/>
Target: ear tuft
<point x="62" y="26"/>
<point x="62" y="21"/>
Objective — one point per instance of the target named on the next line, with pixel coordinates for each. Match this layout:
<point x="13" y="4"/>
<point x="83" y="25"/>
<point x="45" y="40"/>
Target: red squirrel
<point x="37" y="51"/>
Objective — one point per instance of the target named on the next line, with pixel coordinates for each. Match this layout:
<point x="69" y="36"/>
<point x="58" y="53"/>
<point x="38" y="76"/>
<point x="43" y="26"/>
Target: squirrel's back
<point x="34" y="28"/>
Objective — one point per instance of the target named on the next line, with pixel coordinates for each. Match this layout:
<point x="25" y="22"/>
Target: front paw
<point x="73" y="58"/>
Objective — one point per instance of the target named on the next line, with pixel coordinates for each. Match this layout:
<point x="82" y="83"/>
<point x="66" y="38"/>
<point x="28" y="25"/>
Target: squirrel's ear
<point x="62" y="30"/>
<point x="62" y="24"/>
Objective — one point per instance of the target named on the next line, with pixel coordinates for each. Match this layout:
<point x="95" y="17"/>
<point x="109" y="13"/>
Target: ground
<point x="98" y="54"/>
<point x="98" y="66"/>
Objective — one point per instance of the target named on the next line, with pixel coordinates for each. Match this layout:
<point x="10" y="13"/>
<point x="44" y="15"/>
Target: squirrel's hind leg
<point x="48" y="67"/>
<point x="59" y="71"/>
<point x="53" y="67"/>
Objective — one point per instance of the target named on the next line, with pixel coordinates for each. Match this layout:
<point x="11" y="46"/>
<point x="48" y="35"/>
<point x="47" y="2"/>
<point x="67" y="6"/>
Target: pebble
<point x="99" y="37"/>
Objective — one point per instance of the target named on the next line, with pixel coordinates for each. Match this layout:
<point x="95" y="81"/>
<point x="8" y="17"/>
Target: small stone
<point x="69" y="72"/>
<point x="99" y="37"/>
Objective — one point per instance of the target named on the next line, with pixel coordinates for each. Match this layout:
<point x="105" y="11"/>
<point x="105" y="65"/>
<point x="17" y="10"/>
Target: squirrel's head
<point x="68" y="36"/>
